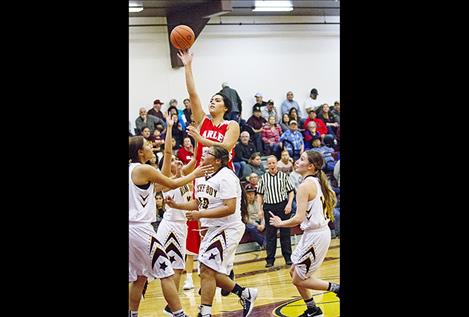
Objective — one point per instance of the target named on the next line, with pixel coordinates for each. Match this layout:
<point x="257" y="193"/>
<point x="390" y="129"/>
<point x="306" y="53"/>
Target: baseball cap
<point x="249" y="188"/>
<point x="158" y="101"/>
<point x="256" y="108"/>
<point x="293" y="122"/>
<point x="258" y="94"/>
<point x="314" y="91"/>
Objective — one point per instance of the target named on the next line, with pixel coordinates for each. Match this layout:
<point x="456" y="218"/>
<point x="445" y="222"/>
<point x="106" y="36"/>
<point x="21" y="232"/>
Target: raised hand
<point x="170" y="202"/>
<point x="185" y="56"/>
<point x="194" y="133"/>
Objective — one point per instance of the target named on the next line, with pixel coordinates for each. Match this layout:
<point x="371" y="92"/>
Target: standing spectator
<point x="336" y="111"/>
<point x="156" y="110"/>
<point x="256" y="122"/>
<point x="289" y="103"/>
<point x="293" y="141"/>
<point x="243" y="151"/>
<point x="270" y="110"/>
<point x="312" y="102"/>
<point x="145" y="120"/>
<point x="236" y="103"/>
<point x="275" y="195"/>
<point x="271" y="136"/>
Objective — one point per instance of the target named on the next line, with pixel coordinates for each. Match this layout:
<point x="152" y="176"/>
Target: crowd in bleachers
<point x="284" y="132"/>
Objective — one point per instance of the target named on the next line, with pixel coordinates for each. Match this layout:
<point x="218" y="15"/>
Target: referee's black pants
<point x="271" y="232"/>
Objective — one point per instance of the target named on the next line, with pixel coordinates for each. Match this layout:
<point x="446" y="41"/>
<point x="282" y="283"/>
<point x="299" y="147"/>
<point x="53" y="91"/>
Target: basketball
<point x="182" y="37"/>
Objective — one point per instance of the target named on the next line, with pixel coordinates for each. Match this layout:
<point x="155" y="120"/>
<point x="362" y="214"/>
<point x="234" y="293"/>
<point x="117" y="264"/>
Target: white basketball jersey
<point x="211" y="192"/>
<point x="315" y="217"/>
<point x="142" y="205"/>
<point x="182" y="194"/>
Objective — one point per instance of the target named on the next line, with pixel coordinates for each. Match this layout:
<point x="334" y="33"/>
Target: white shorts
<point x="218" y="248"/>
<point x="146" y="254"/>
<point x="311" y="251"/>
<point x="173" y="234"/>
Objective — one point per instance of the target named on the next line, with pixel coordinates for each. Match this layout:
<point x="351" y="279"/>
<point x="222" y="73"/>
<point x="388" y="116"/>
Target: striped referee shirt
<point x="275" y="188"/>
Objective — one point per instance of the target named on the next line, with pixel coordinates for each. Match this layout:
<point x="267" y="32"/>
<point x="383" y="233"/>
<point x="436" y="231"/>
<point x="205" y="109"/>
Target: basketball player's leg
<point x="207" y="279"/>
<point x="135" y="293"/>
<point x="177" y="278"/>
<point x="304" y="292"/>
<point x="189" y="284"/>
<point x="170" y="294"/>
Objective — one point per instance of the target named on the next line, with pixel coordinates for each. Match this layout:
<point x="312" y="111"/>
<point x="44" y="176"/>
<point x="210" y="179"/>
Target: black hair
<point x="226" y="101"/>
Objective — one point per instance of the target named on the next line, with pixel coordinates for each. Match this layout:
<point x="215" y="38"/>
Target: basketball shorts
<point x="311" y="251"/>
<point x="218" y="248"/>
<point x="173" y="234"/>
<point x="147" y="256"/>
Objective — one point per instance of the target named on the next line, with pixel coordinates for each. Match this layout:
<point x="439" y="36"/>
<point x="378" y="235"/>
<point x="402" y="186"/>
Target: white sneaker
<point x="188" y="284"/>
<point x="247" y="300"/>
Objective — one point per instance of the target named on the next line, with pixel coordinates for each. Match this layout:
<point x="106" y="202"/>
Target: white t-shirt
<point x="311" y="103"/>
<point x="315" y="217"/>
<point x="211" y="192"/>
<point x="142" y="204"/>
<point x="182" y="194"/>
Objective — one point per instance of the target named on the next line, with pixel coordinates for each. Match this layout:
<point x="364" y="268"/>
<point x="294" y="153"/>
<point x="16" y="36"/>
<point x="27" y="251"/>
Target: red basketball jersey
<point x="214" y="133"/>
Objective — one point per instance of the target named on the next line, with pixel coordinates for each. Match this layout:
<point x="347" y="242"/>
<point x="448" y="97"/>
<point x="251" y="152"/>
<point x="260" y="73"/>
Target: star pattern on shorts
<point x="163" y="266"/>
<point x="172" y="259"/>
<point x="212" y="256"/>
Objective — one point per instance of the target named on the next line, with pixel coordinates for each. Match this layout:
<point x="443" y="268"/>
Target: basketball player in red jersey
<point x="214" y="131"/>
<point x="208" y="132"/>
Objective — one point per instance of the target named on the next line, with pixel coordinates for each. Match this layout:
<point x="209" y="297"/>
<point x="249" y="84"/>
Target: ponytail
<point x="330" y="199"/>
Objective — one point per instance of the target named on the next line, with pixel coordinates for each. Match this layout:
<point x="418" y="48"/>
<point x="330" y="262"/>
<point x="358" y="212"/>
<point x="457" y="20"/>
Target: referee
<point x="275" y="194"/>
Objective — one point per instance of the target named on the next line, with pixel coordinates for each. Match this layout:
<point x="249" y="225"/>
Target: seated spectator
<point x="285" y="123"/>
<point x="292" y="140"/>
<point x="253" y="166"/>
<point x="336" y="111"/>
<point x="256" y="122"/>
<point x="243" y="151"/>
<point x="271" y="136"/>
<point x="293" y="114"/>
<point x="145" y="120"/>
<point x="156" y="110"/>
<point x="289" y="103"/>
<point x="310" y="135"/>
<point x="320" y="125"/>
<point x="327" y="153"/>
<point x="253" y="180"/>
<point x="254" y="226"/>
<point x="270" y="110"/>
<point x="286" y="163"/>
<point x="178" y="132"/>
<point x="329" y="119"/>
<point x="186" y="152"/>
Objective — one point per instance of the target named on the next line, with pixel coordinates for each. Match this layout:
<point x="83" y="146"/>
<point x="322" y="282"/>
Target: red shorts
<point x="193" y="237"/>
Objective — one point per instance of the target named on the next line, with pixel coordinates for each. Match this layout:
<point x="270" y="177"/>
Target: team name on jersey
<point x="184" y="189"/>
<point x="209" y="134"/>
<point x="206" y="188"/>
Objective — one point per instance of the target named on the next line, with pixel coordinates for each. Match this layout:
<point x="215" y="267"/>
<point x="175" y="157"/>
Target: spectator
<point x="145" y="120"/>
<point x="289" y="103"/>
<point x="310" y="135"/>
<point x="243" y="151"/>
<point x="236" y="102"/>
<point x="327" y="153"/>
<point x="253" y="180"/>
<point x="271" y="136"/>
<point x="285" y="123"/>
<point x="329" y="119"/>
<point x="187" y="110"/>
<point x="186" y="152"/>
<point x="256" y="122"/>
<point x="293" y="114"/>
<point x="254" y="226"/>
<point x="293" y="141"/>
<point x="259" y="101"/>
<point x="320" y="125"/>
<point x="270" y="110"/>
<point x="286" y="163"/>
<point x="253" y="166"/>
<point x="336" y="111"/>
<point x="312" y="101"/>
<point x="156" y="110"/>
<point x="159" y="210"/>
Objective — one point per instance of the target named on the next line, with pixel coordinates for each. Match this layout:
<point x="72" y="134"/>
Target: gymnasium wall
<point x="271" y="59"/>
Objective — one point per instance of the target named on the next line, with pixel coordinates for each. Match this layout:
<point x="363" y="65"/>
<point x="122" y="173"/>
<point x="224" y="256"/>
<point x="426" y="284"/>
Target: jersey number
<point x="203" y="203"/>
